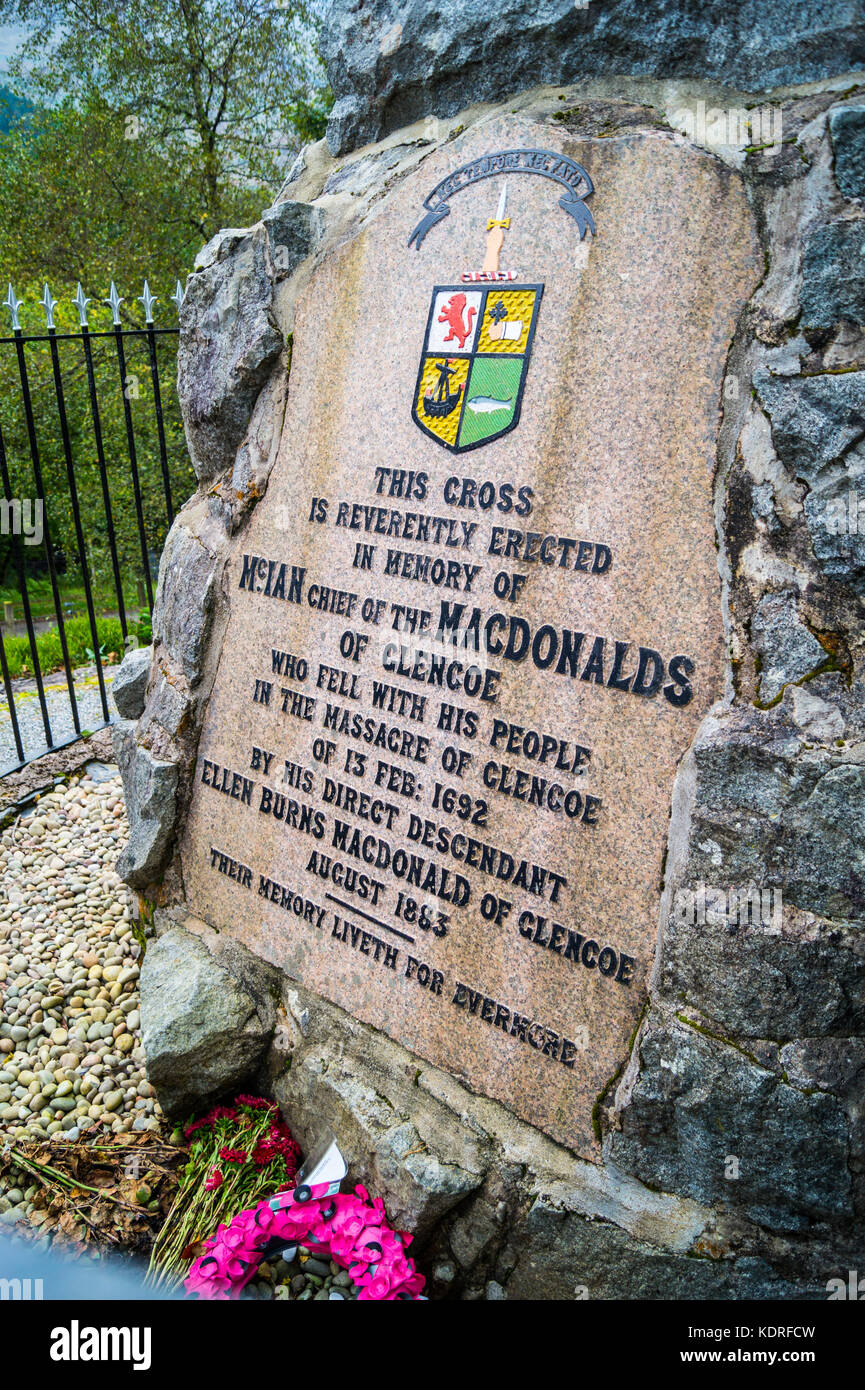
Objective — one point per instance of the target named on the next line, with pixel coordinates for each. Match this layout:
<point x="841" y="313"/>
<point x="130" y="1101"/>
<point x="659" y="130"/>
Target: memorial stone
<point x="501" y="748"/>
<point x="476" y="619"/>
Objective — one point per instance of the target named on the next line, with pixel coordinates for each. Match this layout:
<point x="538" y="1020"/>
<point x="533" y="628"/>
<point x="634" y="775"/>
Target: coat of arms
<point x="476" y="351"/>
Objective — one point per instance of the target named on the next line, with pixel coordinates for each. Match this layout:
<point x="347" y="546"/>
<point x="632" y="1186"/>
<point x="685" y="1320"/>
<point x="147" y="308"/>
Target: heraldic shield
<point x="474" y="364"/>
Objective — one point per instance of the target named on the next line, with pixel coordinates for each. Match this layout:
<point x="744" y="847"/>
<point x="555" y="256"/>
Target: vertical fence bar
<point x="148" y="301"/>
<point x="95" y="416"/>
<point x="49" y="552"/>
<point x="76" y="509"/>
<point x="115" y="301"/>
<point x="25" y="600"/>
<point x="10" y="698"/>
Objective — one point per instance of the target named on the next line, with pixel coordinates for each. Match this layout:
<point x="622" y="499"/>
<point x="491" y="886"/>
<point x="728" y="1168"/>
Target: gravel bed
<point x="29" y="712"/>
<point x="307" y="1277"/>
<point x="71" y="1061"/>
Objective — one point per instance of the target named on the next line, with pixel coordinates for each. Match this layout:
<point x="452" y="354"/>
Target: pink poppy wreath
<point x="349" y="1228"/>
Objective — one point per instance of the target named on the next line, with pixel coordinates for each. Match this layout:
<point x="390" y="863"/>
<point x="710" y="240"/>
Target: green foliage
<point x="49" y="650"/>
<point x="220" y="91"/>
<point x="138" y="387"/>
<point x="79" y="637"/>
<point x="72" y="597"/>
<point x="144" y="630"/>
<point x="141" y="127"/>
<point x="19" y="657"/>
<point x="309" y="118"/>
<point x="78" y="201"/>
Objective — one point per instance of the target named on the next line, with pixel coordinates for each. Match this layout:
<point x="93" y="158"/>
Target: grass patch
<point x="79" y="642"/>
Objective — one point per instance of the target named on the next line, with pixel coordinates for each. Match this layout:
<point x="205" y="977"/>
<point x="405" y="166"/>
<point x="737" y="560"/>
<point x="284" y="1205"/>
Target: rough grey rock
<point x="185" y="598"/>
<point x="818" y="431"/>
<point x="473" y="1232"/>
<point x="261" y="981"/>
<point x="784" y="985"/>
<point x="771" y="811"/>
<point x="257" y="454"/>
<point x="815" y="420"/>
<point x="391" y="62"/>
<point x="833" y="275"/>
<point x="788" y="651"/>
<point x="130" y="684"/>
<point x="203" y="1032"/>
<point x="359" y="175"/>
<point x="229" y="343"/>
<point x="836" y="1065"/>
<point x="819" y="720"/>
<point x="421" y="1179"/>
<point x="168" y="707"/>
<point x="830" y="1064"/>
<point x="835" y="517"/>
<point x="293" y="231"/>
<point x="353" y="122"/>
<point x="701" y="1110"/>
<point x="847" y="126"/>
<point x="150" y="792"/>
<point x="561" y="1255"/>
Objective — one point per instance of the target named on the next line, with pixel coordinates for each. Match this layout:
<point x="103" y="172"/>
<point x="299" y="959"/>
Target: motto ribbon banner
<point x="547" y="163"/>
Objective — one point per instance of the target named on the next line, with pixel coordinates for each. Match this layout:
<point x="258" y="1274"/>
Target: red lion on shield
<point x="452" y="314"/>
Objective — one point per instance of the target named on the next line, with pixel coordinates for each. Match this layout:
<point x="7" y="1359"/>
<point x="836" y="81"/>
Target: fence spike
<point x="81" y="301"/>
<point x="13" y="305"/>
<point x="49" y="305"/>
<point x="148" y="300"/>
<point x="115" y="301"/>
<point x="178" y="296"/>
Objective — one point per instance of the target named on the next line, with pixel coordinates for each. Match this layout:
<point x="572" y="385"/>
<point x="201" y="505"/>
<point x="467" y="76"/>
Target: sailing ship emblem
<point x="440" y="404"/>
<point x="476" y="351"/>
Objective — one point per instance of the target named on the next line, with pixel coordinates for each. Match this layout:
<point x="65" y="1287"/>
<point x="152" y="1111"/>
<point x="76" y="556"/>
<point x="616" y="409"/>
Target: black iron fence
<point x="92" y="458"/>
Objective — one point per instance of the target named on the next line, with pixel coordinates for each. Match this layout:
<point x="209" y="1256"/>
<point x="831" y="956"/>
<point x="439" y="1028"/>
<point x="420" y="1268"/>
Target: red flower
<point x="214" y="1181"/>
<point x="232" y="1155"/>
<point x="263" y="1154"/>
<point x="256" y="1103"/>
<point x="219" y="1112"/>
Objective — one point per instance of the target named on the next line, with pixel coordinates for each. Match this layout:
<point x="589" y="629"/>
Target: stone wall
<point x="391" y="62"/>
<point x="733" y="1139"/>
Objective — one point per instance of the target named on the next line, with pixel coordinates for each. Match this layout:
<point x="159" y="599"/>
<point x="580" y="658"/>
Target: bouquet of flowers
<point x="238" y="1153"/>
